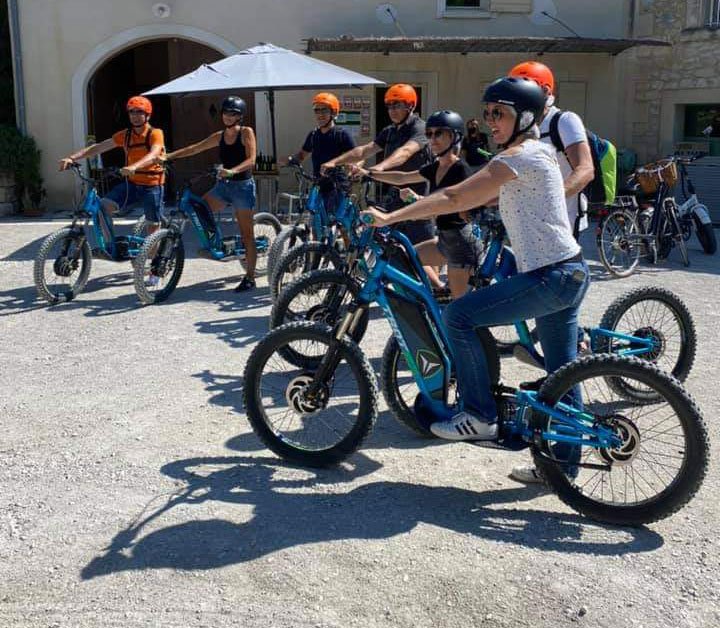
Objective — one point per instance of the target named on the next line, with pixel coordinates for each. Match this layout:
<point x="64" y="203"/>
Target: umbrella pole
<point x="271" y="102"/>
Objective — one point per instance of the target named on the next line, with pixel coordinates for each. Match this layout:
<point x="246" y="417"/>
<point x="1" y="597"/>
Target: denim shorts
<point x="459" y="247"/>
<point x="417" y="231"/>
<point x="239" y="194"/>
<point x="128" y="193"/>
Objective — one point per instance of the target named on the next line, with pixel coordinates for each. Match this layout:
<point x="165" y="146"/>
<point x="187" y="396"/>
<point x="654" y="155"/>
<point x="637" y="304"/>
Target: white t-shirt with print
<point x="571" y="130"/>
<point x="533" y="209"/>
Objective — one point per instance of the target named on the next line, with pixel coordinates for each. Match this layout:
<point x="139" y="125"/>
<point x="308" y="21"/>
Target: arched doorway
<point x="183" y="119"/>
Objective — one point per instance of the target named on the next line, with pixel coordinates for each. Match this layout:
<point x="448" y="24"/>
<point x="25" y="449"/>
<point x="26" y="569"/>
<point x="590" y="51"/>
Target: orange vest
<point x="136" y="146"/>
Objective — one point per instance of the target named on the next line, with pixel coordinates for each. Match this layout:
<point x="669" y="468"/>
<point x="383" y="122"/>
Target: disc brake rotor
<point x="298" y="399"/>
<point x="658" y="338"/>
<point x="64" y="266"/>
<point x="629" y="434"/>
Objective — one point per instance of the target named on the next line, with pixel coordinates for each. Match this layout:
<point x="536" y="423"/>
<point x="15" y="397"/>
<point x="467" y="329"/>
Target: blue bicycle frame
<point x="431" y="364"/>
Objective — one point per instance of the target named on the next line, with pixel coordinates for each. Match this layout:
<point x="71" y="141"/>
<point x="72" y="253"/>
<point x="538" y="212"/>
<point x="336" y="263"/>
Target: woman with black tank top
<point x="455" y="244"/>
<point x="235" y="185"/>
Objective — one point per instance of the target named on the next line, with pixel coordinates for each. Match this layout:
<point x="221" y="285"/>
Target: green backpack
<point x="602" y="188"/>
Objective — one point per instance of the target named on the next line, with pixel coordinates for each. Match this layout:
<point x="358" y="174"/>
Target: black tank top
<point x="233" y="154"/>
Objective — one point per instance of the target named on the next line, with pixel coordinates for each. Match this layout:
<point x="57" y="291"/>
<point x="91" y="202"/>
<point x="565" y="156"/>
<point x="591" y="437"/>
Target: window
<point x="712" y="12"/>
<point x="701" y="117"/>
<point x="463" y="8"/>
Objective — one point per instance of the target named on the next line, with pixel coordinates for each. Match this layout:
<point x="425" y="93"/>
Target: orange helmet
<point x="536" y="71"/>
<point x="139" y="102"/>
<point x="328" y="100"/>
<point x="401" y="92"/>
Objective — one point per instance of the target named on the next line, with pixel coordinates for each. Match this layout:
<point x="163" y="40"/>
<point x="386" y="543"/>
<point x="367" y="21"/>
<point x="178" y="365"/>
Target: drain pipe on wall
<point x="18" y="82"/>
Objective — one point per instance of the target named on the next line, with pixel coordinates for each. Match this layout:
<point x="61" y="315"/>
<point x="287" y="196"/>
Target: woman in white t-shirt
<point x="552" y="278"/>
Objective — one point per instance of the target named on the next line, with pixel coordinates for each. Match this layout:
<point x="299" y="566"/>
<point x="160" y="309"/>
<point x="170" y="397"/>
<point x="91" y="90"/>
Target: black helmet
<point x="234" y="104"/>
<point x="522" y="94"/>
<point x="447" y="120"/>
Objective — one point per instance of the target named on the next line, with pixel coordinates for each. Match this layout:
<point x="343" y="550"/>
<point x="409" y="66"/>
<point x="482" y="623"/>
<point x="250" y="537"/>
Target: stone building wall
<point x="661" y="79"/>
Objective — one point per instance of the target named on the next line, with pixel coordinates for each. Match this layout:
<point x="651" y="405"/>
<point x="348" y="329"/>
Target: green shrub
<point x="20" y="155"/>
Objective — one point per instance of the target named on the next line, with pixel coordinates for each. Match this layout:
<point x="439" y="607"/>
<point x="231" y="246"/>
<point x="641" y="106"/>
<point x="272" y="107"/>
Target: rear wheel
<point x="705" y="235"/>
<point x="158" y="266"/>
<point x="663" y="451"/>
<point x="62" y="266"/>
<point x="400" y="389"/>
<point x="619" y="244"/>
<point x="266" y="229"/>
<point x="318" y="429"/>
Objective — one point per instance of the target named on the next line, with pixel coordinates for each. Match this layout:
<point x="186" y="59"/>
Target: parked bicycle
<point x="161" y="259"/>
<point x="640" y="461"/>
<point x="62" y="265"/>
<point x="634" y="228"/>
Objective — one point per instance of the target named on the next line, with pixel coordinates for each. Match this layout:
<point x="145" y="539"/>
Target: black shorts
<point x="459" y="247"/>
<point x="417" y="231"/>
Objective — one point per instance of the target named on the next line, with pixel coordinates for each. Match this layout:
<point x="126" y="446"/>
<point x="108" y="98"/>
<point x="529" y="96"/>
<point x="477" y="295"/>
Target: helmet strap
<point x="457" y="138"/>
<point x="329" y="123"/>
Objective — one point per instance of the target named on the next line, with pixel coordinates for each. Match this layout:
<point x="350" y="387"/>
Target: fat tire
<point x="691" y="476"/>
<point x="688" y="348"/>
<point x="405" y="414"/>
<point x="323" y="251"/>
<point x="359" y="365"/>
<point x="153" y="242"/>
<point x="43" y="290"/>
<point x="300" y="285"/>
<point x="263" y="218"/>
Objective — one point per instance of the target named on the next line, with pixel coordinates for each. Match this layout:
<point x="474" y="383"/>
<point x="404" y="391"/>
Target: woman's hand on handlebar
<point x="376" y="218"/>
<point x="66" y="163"/>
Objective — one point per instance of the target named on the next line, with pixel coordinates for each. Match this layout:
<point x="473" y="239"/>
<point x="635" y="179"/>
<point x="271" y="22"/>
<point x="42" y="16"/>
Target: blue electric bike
<point x="62" y="265"/>
<point x="639" y="461"/>
<point x="161" y="259"/>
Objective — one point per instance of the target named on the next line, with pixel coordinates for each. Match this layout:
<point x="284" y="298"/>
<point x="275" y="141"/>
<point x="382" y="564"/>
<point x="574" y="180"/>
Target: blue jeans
<point x="551" y="295"/>
<point x="128" y="193"/>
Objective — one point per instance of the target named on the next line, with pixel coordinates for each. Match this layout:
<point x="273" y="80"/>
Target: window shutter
<point x="511" y="6"/>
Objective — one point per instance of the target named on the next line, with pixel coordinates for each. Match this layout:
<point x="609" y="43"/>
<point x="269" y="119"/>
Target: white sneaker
<point x="152" y="281"/>
<point x="527" y="474"/>
<point x="465" y="426"/>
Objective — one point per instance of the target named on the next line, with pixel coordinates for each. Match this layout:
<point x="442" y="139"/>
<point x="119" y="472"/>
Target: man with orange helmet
<point x="326" y="141"/>
<point x="564" y="130"/>
<point x="142" y="145"/>
<point x="405" y="148"/>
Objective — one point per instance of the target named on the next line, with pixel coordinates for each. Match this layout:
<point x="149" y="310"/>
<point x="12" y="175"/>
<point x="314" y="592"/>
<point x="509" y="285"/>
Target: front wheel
<point x="158" y="266"/>
<point x="619" y="244"/>
<point x="288" y="238"/>
<point x="302" y="259"/>
<point x="320" y="296"/>
<point x="662" y="454"/>
<point x="62" y="265"/>
<point x="705" y="235"/>
<point x="315" y="429"/>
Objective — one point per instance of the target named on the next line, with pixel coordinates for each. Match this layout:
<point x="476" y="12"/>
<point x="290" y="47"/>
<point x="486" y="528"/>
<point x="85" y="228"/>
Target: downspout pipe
<point x="18" y="79"/>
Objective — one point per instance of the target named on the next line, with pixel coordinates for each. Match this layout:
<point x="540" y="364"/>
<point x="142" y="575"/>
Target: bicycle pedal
<point x="511" y="443"/>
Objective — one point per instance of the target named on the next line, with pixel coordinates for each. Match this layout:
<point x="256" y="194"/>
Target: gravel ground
<point x="134" y="493"/>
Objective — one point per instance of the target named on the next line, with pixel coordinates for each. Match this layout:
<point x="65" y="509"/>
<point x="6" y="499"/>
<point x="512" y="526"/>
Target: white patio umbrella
<point x="264" y="68"/>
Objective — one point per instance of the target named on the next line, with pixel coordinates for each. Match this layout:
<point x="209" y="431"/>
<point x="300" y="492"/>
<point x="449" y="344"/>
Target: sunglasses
<point x="439" y="133"/>
<point x="322" y="111"/>
<point x="136" y="112"/>
<point x="225" y="112"/>
<point x="396" y="106"/>
<point x="495" y="113"/>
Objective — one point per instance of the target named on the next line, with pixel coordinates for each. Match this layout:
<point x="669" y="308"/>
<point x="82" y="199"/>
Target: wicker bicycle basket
<point x="651" y="175"/>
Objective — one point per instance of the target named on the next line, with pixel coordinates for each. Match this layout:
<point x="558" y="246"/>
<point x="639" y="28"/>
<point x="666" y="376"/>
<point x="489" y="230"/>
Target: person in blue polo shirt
<point x="326" y="141"/>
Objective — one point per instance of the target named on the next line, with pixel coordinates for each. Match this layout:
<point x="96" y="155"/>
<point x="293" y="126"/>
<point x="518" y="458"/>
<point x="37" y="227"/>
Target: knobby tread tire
<point x="152" y="243"/>
<point x="675" y="496"/>
<point x="43" y="290"/>
<point x="358" y="362"/>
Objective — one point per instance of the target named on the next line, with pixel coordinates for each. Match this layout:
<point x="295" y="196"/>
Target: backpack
<point x="604" y="155"/>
